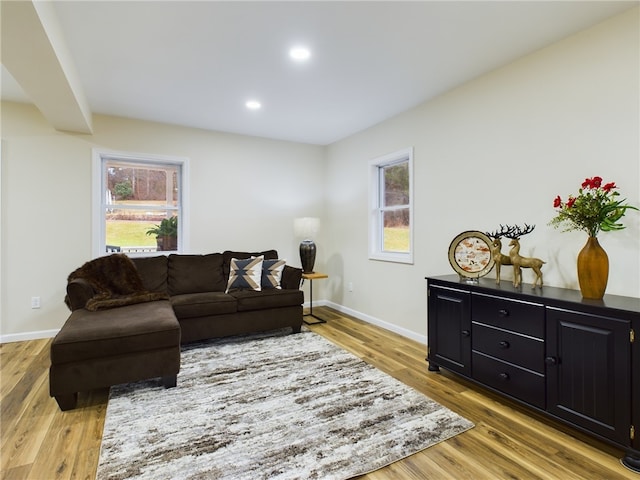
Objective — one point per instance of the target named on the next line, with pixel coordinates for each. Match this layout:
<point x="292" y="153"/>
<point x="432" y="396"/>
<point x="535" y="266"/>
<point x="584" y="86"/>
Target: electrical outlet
<point x="35" y="302"/>
<point x="350" y="286"/>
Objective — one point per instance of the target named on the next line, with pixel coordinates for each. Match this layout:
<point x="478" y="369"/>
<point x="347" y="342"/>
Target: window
<point x="139" y="203"/>
<point x="391" y="221"/>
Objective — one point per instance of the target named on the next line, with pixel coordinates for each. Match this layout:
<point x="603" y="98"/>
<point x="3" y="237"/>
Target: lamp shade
<point x="306" y="227"/>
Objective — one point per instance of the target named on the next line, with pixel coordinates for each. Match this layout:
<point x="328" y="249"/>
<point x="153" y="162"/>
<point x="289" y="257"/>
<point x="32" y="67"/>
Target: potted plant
<point x="597" y="208"/>
<point x="166" y="234"/>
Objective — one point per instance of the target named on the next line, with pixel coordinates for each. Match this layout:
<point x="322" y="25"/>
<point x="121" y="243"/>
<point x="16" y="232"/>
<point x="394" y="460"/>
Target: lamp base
<point x="307" y="255"/>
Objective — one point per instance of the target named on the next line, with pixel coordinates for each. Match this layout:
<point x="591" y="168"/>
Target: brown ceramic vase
<point x="593" y="270"/>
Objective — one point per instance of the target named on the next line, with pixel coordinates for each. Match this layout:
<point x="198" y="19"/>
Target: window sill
<point x="406" y="258"/>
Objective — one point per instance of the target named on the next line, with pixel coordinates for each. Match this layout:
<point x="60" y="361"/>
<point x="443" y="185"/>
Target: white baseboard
<point x="21" y="337"/>
<point x="375" y="321"/>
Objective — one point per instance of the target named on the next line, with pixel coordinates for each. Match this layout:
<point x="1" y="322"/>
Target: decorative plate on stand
<point x="470" y="255"/>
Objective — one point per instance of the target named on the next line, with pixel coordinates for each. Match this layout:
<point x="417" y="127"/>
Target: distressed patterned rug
<point x="276" y="406"/>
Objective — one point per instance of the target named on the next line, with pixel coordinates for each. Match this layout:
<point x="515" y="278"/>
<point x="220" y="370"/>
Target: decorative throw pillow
<point x="245" y="274"/>
<point x="272" y="273"/>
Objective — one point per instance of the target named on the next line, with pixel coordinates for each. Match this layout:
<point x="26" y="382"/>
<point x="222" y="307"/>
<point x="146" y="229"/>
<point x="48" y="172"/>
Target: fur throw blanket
<point x="116" y="283"/>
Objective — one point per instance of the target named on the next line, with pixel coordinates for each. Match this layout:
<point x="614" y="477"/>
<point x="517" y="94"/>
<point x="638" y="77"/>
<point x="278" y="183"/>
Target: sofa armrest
<point x="79" y="291"/>
<point x="291" y="277"/>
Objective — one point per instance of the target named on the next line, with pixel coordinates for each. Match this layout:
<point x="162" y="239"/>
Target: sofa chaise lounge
<point x="130" y="316"/>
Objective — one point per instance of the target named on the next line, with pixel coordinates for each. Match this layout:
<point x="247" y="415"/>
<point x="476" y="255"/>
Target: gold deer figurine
<point x="499" y="258"/>
<point x="518" y="261"/>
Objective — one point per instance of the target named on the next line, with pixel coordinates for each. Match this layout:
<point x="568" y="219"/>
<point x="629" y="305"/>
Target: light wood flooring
<point x="38" y="442"/>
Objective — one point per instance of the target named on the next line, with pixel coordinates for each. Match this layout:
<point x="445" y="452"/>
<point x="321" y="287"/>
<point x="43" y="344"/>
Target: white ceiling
<point x="196" y="63"/>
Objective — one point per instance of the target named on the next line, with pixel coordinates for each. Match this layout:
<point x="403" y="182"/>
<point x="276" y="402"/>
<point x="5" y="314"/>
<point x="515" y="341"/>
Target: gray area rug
<point x="268" y="407"/>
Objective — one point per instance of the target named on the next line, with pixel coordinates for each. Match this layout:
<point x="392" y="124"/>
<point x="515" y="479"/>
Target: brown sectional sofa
<point x="183" y="301"/>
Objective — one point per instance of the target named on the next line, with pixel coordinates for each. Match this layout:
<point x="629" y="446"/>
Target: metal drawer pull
<point x="504" y="344"/>
<point x="504" y="376"/>
<point x="551" y="361"/>
<point x="465" y="333"/>
<point x="503" y="312"/>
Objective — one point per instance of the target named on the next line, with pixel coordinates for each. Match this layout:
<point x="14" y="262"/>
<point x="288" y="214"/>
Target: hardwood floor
<point x="38" y="442"/>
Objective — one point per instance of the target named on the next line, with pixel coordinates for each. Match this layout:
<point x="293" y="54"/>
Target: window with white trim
<point x="139" y="205"/>
<point x="391" y="219"/>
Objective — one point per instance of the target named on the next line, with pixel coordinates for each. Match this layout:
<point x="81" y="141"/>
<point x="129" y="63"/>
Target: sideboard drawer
<point x="527" y="352"/>
<point x="510" y="379"/>
<point x="518" y="316"/>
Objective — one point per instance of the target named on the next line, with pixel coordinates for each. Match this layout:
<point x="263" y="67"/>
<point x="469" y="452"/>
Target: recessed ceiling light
<point x="299" y="53"/>
<point x="253" y="105"/>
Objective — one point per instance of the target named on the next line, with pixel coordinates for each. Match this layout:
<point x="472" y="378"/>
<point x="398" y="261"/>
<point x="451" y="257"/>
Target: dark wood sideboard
<point x="572" y="359"/>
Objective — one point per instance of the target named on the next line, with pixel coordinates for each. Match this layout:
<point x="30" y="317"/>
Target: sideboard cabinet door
<point x="588" y="371"/>
<point x="449" y="330"/>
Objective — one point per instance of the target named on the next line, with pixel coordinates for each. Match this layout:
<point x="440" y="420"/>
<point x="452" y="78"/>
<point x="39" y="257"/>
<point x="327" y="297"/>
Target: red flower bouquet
<point x="596" y="208"/>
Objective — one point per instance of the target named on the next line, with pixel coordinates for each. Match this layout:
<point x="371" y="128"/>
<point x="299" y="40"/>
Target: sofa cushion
<point x="272" y="273"/>
<point x="153" y="272"/>
<point x="245" y="274"/>
<point x="228" y="255"/>
<point x="270" y="298"/>
<point x="79" y="292"/>
<point x="195" y="273"/>
<point x="203" y="304"/>
<point x="117" y="331"/>
<point x="291" y="277"/>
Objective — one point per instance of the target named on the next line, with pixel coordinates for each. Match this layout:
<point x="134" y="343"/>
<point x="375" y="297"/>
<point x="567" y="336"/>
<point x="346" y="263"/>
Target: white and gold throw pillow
<point x="272" y="273"/>
<point x="245" y="274"/>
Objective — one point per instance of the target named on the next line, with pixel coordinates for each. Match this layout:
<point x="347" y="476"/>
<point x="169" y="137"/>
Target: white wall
<point x="497" y="150"/>
<point x="245" y="193"/>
